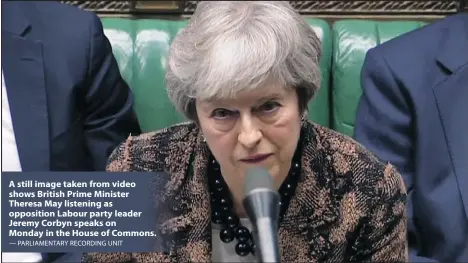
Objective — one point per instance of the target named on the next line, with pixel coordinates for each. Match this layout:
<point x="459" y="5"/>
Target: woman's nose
<point x="250" y="135"/>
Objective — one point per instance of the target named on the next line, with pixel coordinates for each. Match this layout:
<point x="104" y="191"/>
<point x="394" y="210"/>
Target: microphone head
<point x="261" y="199"/>
<point x="257" y="178"/>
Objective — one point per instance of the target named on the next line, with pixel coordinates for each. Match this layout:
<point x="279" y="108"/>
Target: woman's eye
<point x="221" y="114"/>
<point x="269" y="106"/>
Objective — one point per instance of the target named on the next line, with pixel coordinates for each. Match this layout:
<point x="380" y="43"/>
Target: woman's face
<point x="257" y="128"/>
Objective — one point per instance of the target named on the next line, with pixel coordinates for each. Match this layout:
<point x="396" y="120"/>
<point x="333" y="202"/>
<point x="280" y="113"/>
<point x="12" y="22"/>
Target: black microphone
<point x="261" y="202"/>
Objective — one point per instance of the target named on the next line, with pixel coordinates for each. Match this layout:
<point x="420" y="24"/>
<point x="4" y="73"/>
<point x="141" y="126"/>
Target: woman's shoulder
<point x="360" y="167"/>
<point x="148" y="151"/>
<point x="362" y="197"/>
<point x="336" y="143"/>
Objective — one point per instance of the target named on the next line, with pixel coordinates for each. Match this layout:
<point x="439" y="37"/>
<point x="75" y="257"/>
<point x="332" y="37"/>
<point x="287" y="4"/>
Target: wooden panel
<point x="417" y="8"/>
<point x="169" y="7"/>
<point x="105" y="7"/>
<point x="374" y="7"/>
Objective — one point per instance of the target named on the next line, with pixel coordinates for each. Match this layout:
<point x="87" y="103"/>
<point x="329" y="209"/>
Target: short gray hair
<point x="234" y="46"/>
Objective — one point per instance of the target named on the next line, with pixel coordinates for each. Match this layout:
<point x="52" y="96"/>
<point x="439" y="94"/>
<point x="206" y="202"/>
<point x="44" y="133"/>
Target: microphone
<point x="261" y="202"/>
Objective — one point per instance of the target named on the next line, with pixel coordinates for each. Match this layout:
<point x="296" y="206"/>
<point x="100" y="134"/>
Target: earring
<point x="304" y="118"/>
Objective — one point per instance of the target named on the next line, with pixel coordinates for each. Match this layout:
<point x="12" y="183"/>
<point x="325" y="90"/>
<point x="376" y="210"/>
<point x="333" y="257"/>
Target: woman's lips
<point x="256" y="158"/>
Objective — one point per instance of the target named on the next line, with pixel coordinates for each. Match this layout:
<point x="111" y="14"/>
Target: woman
<point x="243" y="73"/>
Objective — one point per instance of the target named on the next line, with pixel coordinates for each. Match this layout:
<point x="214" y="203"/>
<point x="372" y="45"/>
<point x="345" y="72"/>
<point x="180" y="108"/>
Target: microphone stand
<point x="265" y="240"/>
<point x="262" y="208"/>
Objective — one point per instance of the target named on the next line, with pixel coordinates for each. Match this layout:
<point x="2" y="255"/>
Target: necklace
<point x="222" y="211"/>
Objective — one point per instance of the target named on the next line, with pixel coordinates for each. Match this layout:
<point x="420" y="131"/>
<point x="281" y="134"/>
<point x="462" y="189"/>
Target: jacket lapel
<point x="451" y="96"/>
<point x="196" y="219"/>
<point x="23" y="69"/>
<point x="306" y="224"/>
<point x="186" y="228"/>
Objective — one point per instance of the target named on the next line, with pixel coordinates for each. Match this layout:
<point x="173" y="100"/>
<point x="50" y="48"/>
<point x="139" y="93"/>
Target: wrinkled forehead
<point x="249" y="96"/>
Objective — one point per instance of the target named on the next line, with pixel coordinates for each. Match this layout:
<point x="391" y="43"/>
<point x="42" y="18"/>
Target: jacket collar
<point x="453" y="53"/>
<point x="13" y="19"/>
<point x="23" y="67"/>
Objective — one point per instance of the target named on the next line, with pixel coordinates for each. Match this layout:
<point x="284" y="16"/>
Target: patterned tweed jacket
<point x="348" y="206"/>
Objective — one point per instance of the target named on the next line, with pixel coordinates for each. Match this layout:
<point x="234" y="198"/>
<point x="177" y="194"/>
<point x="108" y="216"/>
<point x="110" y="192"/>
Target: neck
<point x="239" y="208"/>
<point x="237" y="197"/>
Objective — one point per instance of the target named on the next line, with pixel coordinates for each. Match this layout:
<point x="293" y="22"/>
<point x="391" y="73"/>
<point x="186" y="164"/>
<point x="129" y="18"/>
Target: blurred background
<point x="140" y="33"/>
